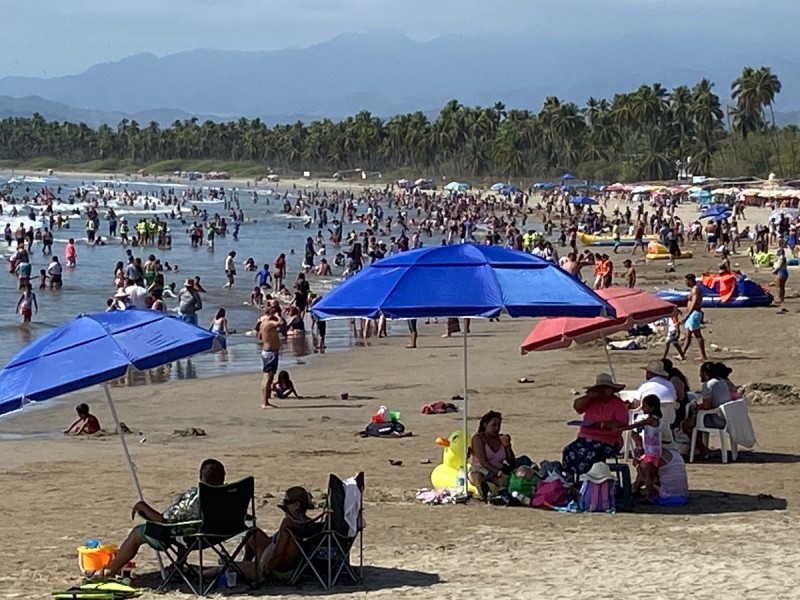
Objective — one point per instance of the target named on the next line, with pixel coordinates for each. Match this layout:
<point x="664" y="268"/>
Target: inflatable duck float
<point x="445" y="475"/>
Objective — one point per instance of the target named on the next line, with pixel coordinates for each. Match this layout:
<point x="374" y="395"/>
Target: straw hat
<point x="656" y="367"/>
<point x="599" y="473"/>
<point x="189" y="283"/>
<point x="605" y="380"/>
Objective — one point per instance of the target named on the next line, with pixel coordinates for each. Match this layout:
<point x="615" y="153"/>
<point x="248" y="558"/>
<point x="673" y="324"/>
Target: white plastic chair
<point x="668" y="416"/>
<point x="725" y="442"/>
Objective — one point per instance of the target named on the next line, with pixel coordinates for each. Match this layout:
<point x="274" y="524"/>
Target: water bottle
<point x="461" y="479"/>
<point x="521" y="498"/>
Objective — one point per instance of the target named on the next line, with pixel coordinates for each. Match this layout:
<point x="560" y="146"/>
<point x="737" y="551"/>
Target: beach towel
<point x="738" y="423"/>
<point x="105" y="590"/>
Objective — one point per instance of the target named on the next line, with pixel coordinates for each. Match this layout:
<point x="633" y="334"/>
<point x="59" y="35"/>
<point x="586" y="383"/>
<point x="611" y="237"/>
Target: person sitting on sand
<point x="491" y="455"/>
<point x="599" y="438"/>
<point x="185" y="508"/>
<point x="86" y="423"/>
<point x="283" y="386"/>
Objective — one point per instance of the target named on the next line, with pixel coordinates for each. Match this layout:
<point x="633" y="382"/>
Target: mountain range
<point x="388" y="73"/>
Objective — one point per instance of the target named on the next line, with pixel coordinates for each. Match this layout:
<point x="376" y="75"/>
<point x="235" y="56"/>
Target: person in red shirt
<point x="599" y="438"/>
<point x="86" y="423"/>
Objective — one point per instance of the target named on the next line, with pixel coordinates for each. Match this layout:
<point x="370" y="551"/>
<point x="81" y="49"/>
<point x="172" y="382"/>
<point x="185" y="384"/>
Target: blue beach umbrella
<point x="95" y="349"/>
<point x="455" y="186"/>
<point x="510" y="189"/>
<point x="496" y="187"/>
<point x="461" y="280"/>
<point x="714" y="211"/>
<point x="583" y="201"/>
<point x="567" y="176"/>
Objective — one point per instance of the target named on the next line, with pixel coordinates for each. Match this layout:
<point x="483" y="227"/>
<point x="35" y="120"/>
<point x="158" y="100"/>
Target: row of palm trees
<point x="635" y="135"/>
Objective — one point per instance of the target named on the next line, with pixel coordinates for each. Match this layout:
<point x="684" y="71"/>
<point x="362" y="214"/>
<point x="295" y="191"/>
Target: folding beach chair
<point x="226" y="511"/>
<point x="326" y="544"/>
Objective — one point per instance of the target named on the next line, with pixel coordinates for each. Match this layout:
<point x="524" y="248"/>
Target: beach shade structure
<point x="632" y="306"/>
<point x="510" y="189"/>
<point x="790" y="213"/>
<point x="95" y="349"/>
<point x="714" y="211"/>
<point x="496" y="187"/>
<point x="461" y="280"/>
<point x="583" y="201"/>
<point x="455" y="186"/>
<point x="567" y="177"/>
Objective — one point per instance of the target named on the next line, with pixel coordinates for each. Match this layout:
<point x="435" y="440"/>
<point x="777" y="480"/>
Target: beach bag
<point x="597" y="497"/>
<point x="384" y="429"/>
<point x="550" y="493"/>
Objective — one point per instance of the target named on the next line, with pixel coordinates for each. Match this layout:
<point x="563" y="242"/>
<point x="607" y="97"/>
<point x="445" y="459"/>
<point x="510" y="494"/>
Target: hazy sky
<point x="56" y="37"/>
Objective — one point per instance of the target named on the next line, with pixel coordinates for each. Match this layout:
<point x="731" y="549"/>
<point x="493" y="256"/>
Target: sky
<point x="46" y="38"/>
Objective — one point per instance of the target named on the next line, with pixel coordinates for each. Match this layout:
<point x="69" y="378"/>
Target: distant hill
<point x="388" y="74"/>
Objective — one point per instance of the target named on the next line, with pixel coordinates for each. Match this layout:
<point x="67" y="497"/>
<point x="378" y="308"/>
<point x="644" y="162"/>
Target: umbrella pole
<point x="128" y="457"/>
<point x="464" y="413"/>
<point x="608" y="359"/>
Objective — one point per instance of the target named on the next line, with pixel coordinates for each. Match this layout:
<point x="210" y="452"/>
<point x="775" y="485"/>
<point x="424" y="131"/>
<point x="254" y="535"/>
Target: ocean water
<point x="87" y="287"/>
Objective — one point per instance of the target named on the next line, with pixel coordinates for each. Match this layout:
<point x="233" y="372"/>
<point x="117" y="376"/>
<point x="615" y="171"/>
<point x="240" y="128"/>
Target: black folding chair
<point x="226" y="511"/>
<point x="326" y="544"/>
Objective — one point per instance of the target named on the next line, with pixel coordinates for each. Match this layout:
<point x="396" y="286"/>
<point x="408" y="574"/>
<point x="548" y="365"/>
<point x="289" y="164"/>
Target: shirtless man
<point x="269" y="335"/>
<point x="694" y="317"/>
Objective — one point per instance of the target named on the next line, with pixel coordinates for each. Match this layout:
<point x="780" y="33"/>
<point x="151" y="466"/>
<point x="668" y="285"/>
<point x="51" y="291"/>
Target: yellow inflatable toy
<point x="445" y="475"/>
<point x="607" y="240"/>
<point x="656" y="251"/>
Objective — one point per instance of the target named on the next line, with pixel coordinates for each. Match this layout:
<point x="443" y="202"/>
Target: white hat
<point x="599" y="473"/>
<point x="656" y="367"/>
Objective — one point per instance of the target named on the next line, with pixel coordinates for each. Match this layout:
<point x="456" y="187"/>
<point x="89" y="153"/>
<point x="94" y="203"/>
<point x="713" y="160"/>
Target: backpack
<point x="597" y="497"/>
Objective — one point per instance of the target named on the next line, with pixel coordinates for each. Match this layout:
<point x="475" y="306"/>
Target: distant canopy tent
<point x="583" y="201"/>
<point x="461" y="280"/>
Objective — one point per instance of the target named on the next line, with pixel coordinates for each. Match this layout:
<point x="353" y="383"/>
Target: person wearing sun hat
<point x="189" y="302"/>
<point x="599" y="438"/>
<point x="657" y="383"/>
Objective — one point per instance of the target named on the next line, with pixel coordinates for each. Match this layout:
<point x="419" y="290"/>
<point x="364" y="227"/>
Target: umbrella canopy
<point x="633" y="307"/>
<point x="791" y="213"/>
<point x="510" y="189"/>
<point x="461" y="280"/>
<point x="455" y="186"/>
<point x="97" y="348"/>
<point x="496" y="187"/>
<point x="583" y="201"/>
<point x="714" y="211"/>
<point x="700" y="194"/>
<point x="567" y="177"/>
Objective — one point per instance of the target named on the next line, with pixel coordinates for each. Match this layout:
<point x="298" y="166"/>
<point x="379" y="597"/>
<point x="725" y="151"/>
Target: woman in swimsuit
<point x="491" y="455"/>
<point x="219" y="325"/>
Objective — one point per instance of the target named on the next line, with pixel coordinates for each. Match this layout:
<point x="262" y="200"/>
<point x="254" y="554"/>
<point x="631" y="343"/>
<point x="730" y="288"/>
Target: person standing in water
<point x="71" y="254"/>
<point x="269" y="336"/>
<point x="230" y="268"/>
<point x="27" y="304"/>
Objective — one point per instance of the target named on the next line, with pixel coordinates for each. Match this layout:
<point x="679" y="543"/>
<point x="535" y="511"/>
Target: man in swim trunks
<point x="185" y="508"/>
<point x="693" y="321"/>
<point x="269" y="336"/>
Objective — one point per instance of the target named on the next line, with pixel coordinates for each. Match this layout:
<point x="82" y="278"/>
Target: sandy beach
<point x="737" y="538"/>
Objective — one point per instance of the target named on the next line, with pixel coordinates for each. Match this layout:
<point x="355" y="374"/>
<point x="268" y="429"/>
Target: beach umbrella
<point x="510" y="189"/>
<point x="583" y="201"/>
<point x="496" y="187"/>
<point x="792" y="213"/>
<point x="95" y="349"/>
<point x="632" y="306"/>
<point x="567" y="177"/>
<point x="455" y="186"/>
<point x="461" y="280"/>
<point x="714" y="211"/>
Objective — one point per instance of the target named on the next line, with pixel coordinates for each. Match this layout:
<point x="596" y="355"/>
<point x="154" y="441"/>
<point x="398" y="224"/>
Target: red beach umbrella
<point x="633" y="306"/>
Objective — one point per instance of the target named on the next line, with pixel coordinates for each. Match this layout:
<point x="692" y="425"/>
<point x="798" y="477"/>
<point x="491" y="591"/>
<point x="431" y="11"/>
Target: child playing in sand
<point x="650" y="452"/>
<point x="86" y="423"/>
<point x="284" y="387"/>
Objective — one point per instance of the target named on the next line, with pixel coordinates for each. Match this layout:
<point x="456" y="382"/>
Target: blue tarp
<point x="462" y="280"/>
<point x="583" y="201"/>
<point x="96" y="348"/>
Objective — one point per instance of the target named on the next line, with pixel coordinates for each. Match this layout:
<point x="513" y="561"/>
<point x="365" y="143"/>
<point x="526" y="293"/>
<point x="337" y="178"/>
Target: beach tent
<point x="461" y="280"/>
<point x="95" y="349"/>
<point x="633" y="307"/>
<point x="455" y="186"/>
<point x="583" y="201"/>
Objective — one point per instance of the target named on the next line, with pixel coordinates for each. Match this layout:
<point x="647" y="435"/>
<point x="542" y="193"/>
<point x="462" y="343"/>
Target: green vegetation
<point x="639" y="135"/>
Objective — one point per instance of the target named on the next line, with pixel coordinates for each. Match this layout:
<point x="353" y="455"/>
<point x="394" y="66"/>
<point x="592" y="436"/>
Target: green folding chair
<point x="226" y="511"/>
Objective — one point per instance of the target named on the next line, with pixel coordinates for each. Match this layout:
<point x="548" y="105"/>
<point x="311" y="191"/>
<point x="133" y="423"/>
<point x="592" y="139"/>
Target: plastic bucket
<point x="95" y="559"/>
